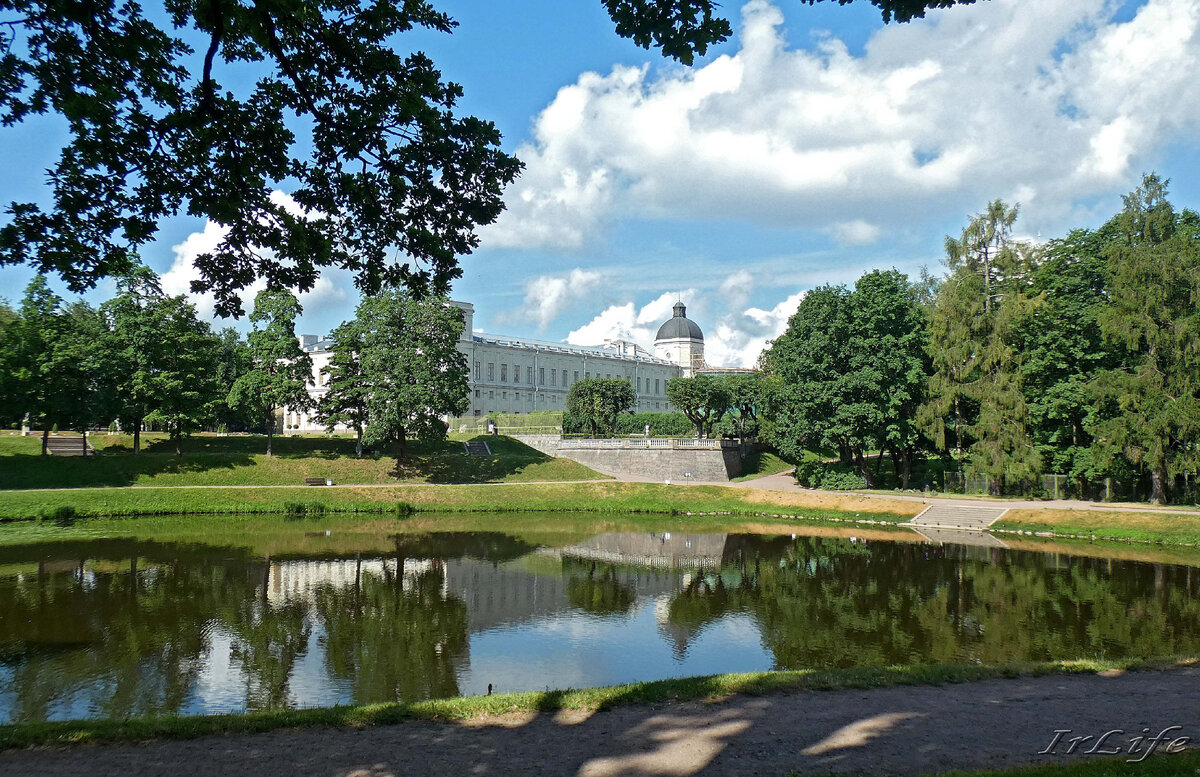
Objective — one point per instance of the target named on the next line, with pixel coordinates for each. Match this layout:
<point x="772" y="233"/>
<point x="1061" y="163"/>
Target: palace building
<point x="521" y="375"/>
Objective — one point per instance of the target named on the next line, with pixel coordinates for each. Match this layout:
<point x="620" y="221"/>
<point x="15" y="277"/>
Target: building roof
<point x="610" y="350"/>
<point x="679" y="326"/>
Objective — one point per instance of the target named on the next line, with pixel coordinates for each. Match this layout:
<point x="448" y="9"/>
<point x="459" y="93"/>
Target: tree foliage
<point x="281" y="370"/>
<point x="382" y="165"/>
<point x="347" y="393"/>
<point x="704" y="399"/>
<point x="598" y="401"/>
<point x="1154" y="286"/>
<point x="412" y="366"/>
<point x="684" y="29"/>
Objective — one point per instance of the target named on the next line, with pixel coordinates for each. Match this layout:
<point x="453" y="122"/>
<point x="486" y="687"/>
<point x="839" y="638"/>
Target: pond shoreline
<point x="711" y="688"/>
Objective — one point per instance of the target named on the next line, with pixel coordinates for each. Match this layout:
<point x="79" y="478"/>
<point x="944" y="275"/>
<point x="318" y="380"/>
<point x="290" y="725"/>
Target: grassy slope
<point x="607" y="497"/>
<point x="239" y="460"/>
<point x="1145" y="526"/>
<point x="711" y="687"/>
<point x="761" y="463"/>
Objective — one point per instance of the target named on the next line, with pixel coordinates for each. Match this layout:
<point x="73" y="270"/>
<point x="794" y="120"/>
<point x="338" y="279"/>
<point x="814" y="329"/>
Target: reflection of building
<point x="653" y="549"/>
<point x="300" y="579"/>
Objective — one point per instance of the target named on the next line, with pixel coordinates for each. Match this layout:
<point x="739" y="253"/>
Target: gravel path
<point x="902" y="730"/>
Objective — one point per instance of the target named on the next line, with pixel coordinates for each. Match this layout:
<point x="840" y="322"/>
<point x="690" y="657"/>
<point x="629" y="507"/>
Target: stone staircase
<point x="57" y="445"/>
<point x="477" y="448"/>
<point x="954" y="514"/>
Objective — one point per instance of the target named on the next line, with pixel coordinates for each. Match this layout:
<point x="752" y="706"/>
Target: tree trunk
<point x="1158" y="490"/>
<point x="863" y="469"/>
<point x="137" y="436"/>
<point x="83" y="439"/>
<point x="178" y="438"/>
<point x="844" y="454"/>
<point x="358" y="442"/>
<point x="270" y="432"/>
<point x="46" y="441"/>
<point x="906" y="470"/>
<point x="957" y="433"/>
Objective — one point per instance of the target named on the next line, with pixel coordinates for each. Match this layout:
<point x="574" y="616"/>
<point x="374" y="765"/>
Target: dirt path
<point x="903" y="730"/>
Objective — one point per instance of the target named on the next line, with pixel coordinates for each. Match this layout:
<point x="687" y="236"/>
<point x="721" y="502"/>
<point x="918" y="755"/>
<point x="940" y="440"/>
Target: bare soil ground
<point x="899" y="730"/>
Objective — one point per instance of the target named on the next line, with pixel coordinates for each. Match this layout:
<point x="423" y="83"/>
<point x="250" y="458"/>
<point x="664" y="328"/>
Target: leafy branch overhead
<point x="390" y="183"/>
<point x="684" y="29"/>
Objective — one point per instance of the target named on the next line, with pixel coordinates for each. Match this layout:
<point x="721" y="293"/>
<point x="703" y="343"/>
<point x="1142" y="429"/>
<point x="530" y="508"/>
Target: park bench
<point x="318" y="482"/>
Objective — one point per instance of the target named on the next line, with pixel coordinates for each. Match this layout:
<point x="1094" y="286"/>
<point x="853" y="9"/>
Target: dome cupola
<point x="679" y="326"/>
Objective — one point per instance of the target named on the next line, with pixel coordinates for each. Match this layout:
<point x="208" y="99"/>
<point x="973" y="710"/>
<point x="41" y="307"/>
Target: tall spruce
<point x="187" y="384"/>
<point x="1154" y="289"/>
<point x="976" y="384"/>
<point x="281" y="369"/>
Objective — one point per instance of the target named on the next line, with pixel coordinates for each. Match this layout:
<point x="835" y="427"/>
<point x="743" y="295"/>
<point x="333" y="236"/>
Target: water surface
<point x="114" y="628"/>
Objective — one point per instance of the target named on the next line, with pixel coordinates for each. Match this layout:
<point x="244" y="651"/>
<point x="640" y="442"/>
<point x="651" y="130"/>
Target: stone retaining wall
<point x="704" y="464"/>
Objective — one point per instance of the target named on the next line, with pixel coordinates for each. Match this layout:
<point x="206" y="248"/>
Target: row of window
<point x="557" y="377"/>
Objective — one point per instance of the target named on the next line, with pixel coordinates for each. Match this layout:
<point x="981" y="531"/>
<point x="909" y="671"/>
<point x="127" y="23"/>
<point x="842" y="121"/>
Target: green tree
<point x="804" y="366"/>
<point x="137" y="346"/>
<point x="890" y="363"/>
<point x="382" y="165"/>
<point x="1063" y="349"/>
<point x="57" y="361"/>
<point x="597" y="402"/>
<point x="1154" y="286"/>
<point x="704" y="399"/>
<point x="281" y="370"/>
<point x="347" y="395"/>
<point x="10" y="322"/>
<point x="411" y="362"/>
<point x="746" y="399"/>
<point x="187" y="384"/>
<point x="233" y="361"/>
<point x="977" y="369"/>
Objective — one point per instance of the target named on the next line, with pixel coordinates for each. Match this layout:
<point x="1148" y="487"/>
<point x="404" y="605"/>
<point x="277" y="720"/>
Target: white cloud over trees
<point x="1042" y="103"/>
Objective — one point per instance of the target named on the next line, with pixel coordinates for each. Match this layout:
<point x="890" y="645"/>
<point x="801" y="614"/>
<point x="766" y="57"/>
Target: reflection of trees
<point x="392" y="637"/>
<point x="269" y="639"/>
<point x="829" y="603"/>
<point x="126" y="644"/>
<point x="600" y="594"/>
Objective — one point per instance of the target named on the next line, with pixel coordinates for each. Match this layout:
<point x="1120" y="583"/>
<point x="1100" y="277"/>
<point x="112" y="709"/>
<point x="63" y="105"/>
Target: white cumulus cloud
<point x="1057" y="101"/>
<point x="546" y="296"/>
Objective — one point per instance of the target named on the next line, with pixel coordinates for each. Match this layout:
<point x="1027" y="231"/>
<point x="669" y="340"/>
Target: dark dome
<point x="679" y="326"/>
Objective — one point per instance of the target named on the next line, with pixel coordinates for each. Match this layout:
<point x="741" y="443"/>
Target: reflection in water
<point x="115" y="628"/>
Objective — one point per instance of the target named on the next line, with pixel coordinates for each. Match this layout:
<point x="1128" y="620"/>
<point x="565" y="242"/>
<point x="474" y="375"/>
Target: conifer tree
<point x="347" y="393"/>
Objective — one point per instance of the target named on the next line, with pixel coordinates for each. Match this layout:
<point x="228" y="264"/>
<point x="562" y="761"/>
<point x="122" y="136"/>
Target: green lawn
<point x="210" y="460"/>
<point x="761" y="463"/>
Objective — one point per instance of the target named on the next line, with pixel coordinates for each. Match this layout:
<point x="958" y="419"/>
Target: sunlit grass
<point x="712" y="687"/>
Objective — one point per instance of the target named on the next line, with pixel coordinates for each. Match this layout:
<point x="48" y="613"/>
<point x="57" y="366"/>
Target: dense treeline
<point x="145" y="360"/>
<point x="1078" y="357"/>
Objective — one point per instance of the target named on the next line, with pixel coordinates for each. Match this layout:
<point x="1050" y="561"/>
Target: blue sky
<point x="816" y="144"/>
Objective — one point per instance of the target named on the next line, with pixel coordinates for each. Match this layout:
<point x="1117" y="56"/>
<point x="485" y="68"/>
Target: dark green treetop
<point x="598" y="402"/>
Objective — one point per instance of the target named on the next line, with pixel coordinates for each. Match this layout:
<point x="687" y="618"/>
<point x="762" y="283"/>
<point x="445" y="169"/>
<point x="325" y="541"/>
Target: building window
<point x="541" y="376"/>
<point x="589" y="376"/>
<point x="504" y="373"/>
<point x="491" y="395"/>
<point x="656" y="387"/>
<point x="516" y="373"/>
<point x="575" y="377"/>
<point x="639" y="388"/>
<point x="476" y="370"/>
<point x="491" y="371"/>
<point x="529" y="375"/>
<point x="553" y="377"/>
<point x="478" y="413"/>
<point x="517" y="396"/>
<point x="477" y="393"/>
<point x="504" y="395"/>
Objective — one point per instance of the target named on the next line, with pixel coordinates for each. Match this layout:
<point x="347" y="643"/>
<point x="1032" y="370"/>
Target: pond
<point x="110" y="628"/>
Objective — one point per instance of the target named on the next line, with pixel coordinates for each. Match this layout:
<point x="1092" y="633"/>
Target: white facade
<point x="681" y="342"/>
<point x="520" y="375"/>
